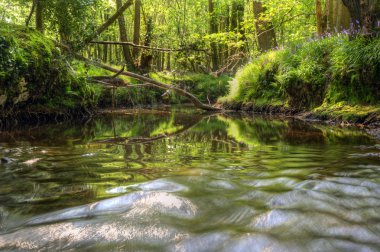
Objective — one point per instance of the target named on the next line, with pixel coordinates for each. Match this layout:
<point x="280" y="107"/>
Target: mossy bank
<point x="36" y="79"/>
<point x="335" y="78"/>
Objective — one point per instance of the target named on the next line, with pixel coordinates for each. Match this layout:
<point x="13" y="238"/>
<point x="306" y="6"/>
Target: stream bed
<point x="180" y="180"/>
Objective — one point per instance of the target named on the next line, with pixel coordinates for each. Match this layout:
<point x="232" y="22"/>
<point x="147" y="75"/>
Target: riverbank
<point x="39" y="83"/>
<point x="36" y="80"/>
<point x="335" y="79"/>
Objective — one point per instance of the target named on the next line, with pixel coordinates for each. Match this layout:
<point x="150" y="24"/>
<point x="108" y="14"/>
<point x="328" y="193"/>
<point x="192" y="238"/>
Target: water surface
<point x="184" y="181"/>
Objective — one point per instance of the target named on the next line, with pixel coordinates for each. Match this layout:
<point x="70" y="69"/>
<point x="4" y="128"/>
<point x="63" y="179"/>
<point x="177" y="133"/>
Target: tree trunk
<point x="39" y="16"/>
<point x="30" y="13"/>
<point x="136" y="29"/>
<point x="146" y="57"/>
<point x="327" y="27"/>
<point x="364" y="14"/>
<point x="168" y="62"/>
<point x="123" y="38"/>
<point x="213" y="28"/>
<point x="266" y="36"/>
<point x="318" y="8"/>
<point x="338" y="16"/>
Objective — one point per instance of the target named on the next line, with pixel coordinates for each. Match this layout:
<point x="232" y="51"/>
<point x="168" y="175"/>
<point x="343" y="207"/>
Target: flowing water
<point x="181" y="181"/>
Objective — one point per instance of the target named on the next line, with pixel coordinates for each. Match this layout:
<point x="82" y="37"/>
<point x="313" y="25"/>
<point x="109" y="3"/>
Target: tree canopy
<point x="199" y="36"/>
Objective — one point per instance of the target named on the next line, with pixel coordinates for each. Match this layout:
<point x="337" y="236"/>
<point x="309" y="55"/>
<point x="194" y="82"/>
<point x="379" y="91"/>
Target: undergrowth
<point x="314" y="74"/>
<point x="35" y="76"/>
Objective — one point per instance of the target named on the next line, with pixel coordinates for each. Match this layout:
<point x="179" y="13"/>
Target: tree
<point x="213" y="27"/>
<point x="364" y="14"/>
<point x="39" y="14"/>
<point x="136" y="29"/>
<point x="124" y="38"/>
<point x="266" y="36"/>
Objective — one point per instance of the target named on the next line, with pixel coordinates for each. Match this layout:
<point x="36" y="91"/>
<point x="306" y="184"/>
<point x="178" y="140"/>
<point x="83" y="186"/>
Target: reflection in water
<point x="189" y="182"/>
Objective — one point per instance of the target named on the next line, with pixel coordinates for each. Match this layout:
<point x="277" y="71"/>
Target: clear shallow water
<point x="189" y="182"/>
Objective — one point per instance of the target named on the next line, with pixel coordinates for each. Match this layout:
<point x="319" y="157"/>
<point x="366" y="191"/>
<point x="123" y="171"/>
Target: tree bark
<point x="136" y="29"/>
<point x="30" y="13"/>
<point x="39" y="16"/>
<point x="318" y="8"/>
<point x="147" y="57"/>
<point x="123" y="38"/>
<point x="266" y="36"/>
<point x="168" y="62"/>
<point x="213" y="28"/>
<point x="364" y="14"/>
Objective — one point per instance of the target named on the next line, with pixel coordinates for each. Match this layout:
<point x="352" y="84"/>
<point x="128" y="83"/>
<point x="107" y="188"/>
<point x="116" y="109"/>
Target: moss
<point x="35" y="75"/>
<point x="350" y="113"/>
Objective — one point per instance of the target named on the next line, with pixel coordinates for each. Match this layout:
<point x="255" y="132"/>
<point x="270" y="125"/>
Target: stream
<point x="180" y="180"/>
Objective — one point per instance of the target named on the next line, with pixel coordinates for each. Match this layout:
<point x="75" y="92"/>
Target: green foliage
<point x="356" y="72"/>
<point x="33" y="73"/>
<point x="307" y="75"/>
<point x="205" y="86"/>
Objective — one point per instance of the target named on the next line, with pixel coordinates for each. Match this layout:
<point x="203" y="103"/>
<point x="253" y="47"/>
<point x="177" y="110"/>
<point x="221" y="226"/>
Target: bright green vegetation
<point x="206" y="87"/>
<point x="333" y="76"/>
<point x="36" y="77"/>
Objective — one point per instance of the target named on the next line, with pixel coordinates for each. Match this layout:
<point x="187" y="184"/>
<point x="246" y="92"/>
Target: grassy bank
<point x="35" y="78"/>
<point x="333" y="77"/>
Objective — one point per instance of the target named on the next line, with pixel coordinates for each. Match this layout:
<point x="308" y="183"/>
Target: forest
<point x="275" y="56"/>
<point x="190" y="125"/>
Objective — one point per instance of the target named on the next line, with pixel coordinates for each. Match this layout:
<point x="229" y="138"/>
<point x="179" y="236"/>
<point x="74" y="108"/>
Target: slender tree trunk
<point x="136" y="28"/>
<point x="318" y="8"/>
<point x="168" y="62"/>
<point x="39" y="14"/>
<point x="147" y="57"/>
<point x="105" y="53"/>
<point x="30" y="13"/>
<point x="326" y="16"/>
<point x="123" y="38"/>
<point x="213" y="28"/>
<point x="266" y="36"/>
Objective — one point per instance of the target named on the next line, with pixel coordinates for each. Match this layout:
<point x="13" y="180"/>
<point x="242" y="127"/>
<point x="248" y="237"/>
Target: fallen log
<point x="197" y="103"/>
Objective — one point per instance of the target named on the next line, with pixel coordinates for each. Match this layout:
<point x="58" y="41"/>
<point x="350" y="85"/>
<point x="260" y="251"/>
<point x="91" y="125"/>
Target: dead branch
<point x="118" y="73"/>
